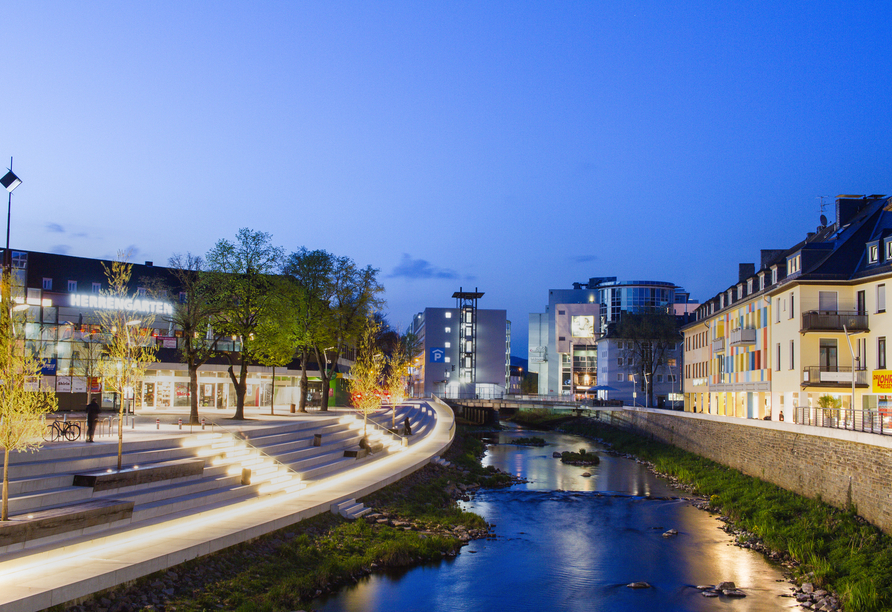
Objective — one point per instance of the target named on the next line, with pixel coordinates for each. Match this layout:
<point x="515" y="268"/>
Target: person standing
<point x="92" y="418"/>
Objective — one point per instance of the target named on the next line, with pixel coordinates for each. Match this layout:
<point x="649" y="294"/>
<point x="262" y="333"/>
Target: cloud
<point x="420" y="268"/>
<point x="55" y="227"/>
<point x="60" y="249"/>
<point x="583" y="258"/>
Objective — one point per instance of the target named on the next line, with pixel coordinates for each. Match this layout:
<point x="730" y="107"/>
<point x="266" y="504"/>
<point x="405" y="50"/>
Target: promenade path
<point x="35" y="579"/>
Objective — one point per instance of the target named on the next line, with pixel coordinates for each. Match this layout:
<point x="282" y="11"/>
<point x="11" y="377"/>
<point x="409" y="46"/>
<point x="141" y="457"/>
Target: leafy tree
<point x="311" y="273"/>
<point x="647" y="337"/>
<point x="242" y="275"/>
<point x="366" y="373"/>
<point x="129" y="345"/>
<point x="275" y="336"/>
<point x="87" y="357"/>
<point x="23" y="407"/>
<point x="354" y="296"/>
<point x="192" y="314"/>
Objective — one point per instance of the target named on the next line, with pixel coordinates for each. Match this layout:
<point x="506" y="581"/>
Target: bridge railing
<point x="868" y="421"/>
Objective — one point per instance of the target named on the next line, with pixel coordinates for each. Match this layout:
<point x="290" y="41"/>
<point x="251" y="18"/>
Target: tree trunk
<point x="193" y="392"/>
<point x="5" y="510"/>
<point x="272" y="400"/>
<point x="302" y="402"/>
<point x="239" y="384"/>
<point x="121" y="431"/>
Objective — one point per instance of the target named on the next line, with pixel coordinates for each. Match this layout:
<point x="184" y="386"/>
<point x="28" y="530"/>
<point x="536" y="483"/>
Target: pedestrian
<point x="93" y="411"/>
<point x="407" y="427"/>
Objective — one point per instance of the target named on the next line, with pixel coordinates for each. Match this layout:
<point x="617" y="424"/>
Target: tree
<point x="311" y="273"/>
<point x="647" y="337"/>
<point x="192" y="314"/>
<point x="87" y="357"/>
<point x="408" y="345"/>
<point x="243" y="282"/>
<point x="366" y="373"/>
<point x="23" y="407"/>
<point x="129" y="346"/>
<point x="274" y="339"/>
<point x="354" y="297"/>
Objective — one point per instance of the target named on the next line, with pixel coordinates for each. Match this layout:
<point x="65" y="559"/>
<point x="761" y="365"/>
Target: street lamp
<point x="10" y="181"/>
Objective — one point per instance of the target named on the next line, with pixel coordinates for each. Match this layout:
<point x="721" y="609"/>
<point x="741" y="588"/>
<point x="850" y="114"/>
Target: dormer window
<point x="774" y="275"/>
<point x="749" y="286"/>
<point x="740" y="291"/>
<point x="873" y="253"/>
<point x="889" y="249"/>
<point x="761" y="281"/>
<point x="794" y="264"/>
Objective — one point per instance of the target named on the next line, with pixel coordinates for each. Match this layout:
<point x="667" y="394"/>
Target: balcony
<point x="833" y="320"/>
<point x="833" y="376"/>
<point x="743" y="336"/>
<point x="718" y="345"/>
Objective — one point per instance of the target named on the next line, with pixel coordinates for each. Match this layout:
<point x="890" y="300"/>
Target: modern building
<point x="572" y="351"/>
<point x="64" y="296"/>
<point x="810" y="322"/>
<point x="466" y="350"/>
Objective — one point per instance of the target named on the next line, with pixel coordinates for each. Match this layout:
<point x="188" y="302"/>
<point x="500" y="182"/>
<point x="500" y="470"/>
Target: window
<point x="96" y="287"/>
<point x="562" y="338"/>
<point x="448" y="330"/>
<point x="881" y="298"/>
<point x="793" y="264"/>
<point x="659" y="378"/>
<point x="560" y="312"/>
<point x="749" y="286"/>
<point x="761" y="281"/>
<point x="448" y="315"/>
<point x="889" y="250"/>
<point x="774" y="275"/>
<point x="619" y="344"/>
<point x="873" y="253"/>
<point x="141" y="292"/>
<point x="448" y="345"/>
<point x="881" y="353"/>
<point x="72" y="286"/>
<point x="792" y="305"/>
<point x="47" y="284"/>
<point x="619" y="378"/>
<point x="448" y="359"/>
<point x="183" y="297"/>
<point x="671" y="378"/>
<point x="778" y="359"/>
<point x="619" y="361"/>
<point x="792" y="354"/>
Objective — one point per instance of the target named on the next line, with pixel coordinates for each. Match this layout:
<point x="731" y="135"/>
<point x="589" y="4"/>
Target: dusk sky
<point x="513" y="147"/>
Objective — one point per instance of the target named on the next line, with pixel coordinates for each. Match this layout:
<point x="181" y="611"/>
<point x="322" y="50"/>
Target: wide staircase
<point x="67" y="492"/>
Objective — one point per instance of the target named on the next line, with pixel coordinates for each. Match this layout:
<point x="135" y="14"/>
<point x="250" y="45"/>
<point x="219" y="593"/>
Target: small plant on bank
<point x="531" y="441"/>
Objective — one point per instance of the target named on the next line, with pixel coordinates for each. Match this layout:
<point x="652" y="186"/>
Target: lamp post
<point x="854" y="359"/>
<point x="10" y="181"/>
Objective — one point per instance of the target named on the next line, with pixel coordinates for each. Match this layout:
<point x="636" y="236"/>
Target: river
<point x="568" y="542"/>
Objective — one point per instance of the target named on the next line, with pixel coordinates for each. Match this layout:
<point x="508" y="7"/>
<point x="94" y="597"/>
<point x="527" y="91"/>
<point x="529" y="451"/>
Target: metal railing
<point x="834" y="320"/>
<point x="842" y="375"/>
<point x="868" y="421"/>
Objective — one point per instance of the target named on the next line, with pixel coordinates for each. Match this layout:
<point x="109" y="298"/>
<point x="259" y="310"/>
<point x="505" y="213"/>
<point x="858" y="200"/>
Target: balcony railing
<point x="870" y="421"/>
<point x="834" y="320"/>
<point x="718" y="345"/>
<point x="833" y="376"/>
<point x="742" y="336"/>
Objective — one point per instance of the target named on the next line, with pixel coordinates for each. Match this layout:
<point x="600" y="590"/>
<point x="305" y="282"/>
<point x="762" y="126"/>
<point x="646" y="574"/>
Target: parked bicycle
<point x="63" y="430"/>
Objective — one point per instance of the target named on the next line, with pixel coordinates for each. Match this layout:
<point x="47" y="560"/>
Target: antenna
<point x="823" y="205"/>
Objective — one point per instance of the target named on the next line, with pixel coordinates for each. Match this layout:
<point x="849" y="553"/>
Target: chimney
<point x="847" y="206"/>
<point x="745" y="270"/>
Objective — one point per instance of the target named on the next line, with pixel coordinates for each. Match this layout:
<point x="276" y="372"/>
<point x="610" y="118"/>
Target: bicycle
<point x="63" y="430"/>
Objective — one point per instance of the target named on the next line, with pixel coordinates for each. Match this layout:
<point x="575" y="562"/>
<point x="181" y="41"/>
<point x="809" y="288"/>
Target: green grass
<point x="844" y="552"/>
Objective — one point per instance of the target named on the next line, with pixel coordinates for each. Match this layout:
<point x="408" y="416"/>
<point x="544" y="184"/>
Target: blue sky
<point x="512" y="147"/>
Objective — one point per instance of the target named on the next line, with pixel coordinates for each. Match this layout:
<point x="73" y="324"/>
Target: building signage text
<point x="882" y="381"/>
<point x="103" y="302"/>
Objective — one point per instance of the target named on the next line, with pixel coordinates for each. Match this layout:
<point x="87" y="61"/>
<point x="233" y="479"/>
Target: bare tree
<point x="647" y="336"/>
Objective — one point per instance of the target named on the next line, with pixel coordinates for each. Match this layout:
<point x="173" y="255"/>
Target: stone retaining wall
<point x="842" y="467"/>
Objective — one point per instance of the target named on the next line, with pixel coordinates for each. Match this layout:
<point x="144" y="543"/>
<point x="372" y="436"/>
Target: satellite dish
<point x="824" y="220"/>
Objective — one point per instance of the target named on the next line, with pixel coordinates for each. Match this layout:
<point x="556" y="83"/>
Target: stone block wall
<point x="841" y="467"/>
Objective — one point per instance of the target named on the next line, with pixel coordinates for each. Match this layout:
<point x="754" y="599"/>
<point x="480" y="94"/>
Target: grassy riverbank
<point x="836" y="549"/>
<point x="417" y="520"/>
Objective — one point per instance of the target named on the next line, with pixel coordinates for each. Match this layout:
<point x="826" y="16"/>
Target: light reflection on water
<point x="567" y="542"/>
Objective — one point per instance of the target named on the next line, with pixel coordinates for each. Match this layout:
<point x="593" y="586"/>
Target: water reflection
<point x="577" y="548"/>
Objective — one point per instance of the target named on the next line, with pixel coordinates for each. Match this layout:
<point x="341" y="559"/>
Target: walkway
<point x="36" y="579"/>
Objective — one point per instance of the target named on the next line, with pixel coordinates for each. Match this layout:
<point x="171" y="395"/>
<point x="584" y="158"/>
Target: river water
<point x="568" y="542"/>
